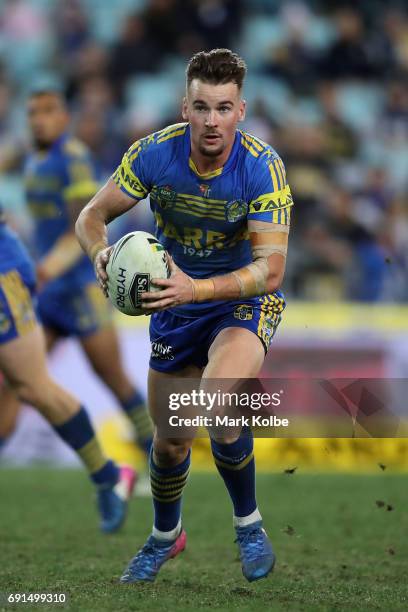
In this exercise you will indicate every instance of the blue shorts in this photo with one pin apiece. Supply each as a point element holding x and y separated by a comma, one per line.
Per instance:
<point>79,309</point>
<point>178,341</point>
<point>17,284</point>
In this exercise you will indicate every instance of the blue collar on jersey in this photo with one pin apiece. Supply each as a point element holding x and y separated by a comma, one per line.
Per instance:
<point>229,165</point>
<point>56,145</point>
<point>60,141</point>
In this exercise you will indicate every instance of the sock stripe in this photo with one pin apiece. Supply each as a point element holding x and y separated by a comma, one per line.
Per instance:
<point>163,485</point>
<point>234,466</point>
<point>167,486</point>
<point>167,492</point>
<point>79,434</point>
<point>137,412</point>
<point>140,417</point>
<point>162,478</point>
<point>164,500</point>
<point>91,455</point>
<point>144,432</point>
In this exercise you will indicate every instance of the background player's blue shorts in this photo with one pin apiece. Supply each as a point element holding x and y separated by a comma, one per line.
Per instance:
<point>78,309</point>
<point>17,283</point>
<point>179,341</point>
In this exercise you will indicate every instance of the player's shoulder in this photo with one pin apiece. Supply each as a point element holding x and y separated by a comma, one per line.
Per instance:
<point>163,140</point>
<point>262,164</point>
<point>73,148</point>
<point>156,150</point>
<point>257,152</point>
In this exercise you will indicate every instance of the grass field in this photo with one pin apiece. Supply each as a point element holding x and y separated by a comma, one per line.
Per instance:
<point>337,548</point>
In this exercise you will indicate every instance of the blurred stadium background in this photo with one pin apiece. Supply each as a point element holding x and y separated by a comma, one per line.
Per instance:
<point>328,88</point>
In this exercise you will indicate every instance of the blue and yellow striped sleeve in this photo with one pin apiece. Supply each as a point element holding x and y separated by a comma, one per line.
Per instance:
<point>129,175</point>
<point>80,175</point>
<point>271,199</point>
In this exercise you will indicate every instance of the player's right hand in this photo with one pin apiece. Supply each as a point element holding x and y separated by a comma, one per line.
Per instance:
<point>100,263</point>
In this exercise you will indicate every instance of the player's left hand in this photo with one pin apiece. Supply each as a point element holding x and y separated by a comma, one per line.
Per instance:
<point>176,290</point>
<point>42,275</point>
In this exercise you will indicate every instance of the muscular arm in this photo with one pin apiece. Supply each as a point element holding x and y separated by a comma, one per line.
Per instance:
<point>110,202</point>
<point>263,275</point>
<point>107,204</point>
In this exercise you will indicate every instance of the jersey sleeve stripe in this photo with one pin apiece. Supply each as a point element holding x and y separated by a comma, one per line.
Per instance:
<point>274,176</point>
<point>128,182</point>
<point>249,147</point>
<point>278,168</point>
<point>283,171</point>
<point>171,135</point>
<point>134,154</point>
<point>253,141</point>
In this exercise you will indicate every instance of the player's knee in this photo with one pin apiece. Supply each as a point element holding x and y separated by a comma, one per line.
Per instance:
<point>170,452</point>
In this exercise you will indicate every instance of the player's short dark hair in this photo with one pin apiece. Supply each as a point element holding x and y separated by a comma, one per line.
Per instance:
<point>49,91</point>
<point>217,67</point>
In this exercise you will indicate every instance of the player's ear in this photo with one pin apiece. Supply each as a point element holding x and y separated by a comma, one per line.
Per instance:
<point>242,110</point>
<point>184,109</point>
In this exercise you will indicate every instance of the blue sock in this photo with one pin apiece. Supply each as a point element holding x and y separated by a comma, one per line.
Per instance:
<point>79,434</point>
<point>136,410</point>
<point>167,490</point>
<point>235,462</point>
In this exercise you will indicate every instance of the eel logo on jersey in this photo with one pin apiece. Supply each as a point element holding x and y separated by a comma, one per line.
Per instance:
<point>166,196</point>
<point>235,210</point>
<point>244,312</point>
<point>163,351</point>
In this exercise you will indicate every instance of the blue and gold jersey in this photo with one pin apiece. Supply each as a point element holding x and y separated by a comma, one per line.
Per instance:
<point>17,283</point>
<point>52,180</point>
<point>202,219</point>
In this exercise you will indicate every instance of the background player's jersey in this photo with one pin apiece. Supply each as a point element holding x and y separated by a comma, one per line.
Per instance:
<point>17,282</point>
<point>201,219</point>
<point>52,179</point>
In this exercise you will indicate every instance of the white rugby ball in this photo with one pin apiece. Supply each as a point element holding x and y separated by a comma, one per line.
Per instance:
<point>135,259</point>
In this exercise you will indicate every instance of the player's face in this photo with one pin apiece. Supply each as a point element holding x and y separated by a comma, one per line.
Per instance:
<point>213,112</point>
<point>47,119</point>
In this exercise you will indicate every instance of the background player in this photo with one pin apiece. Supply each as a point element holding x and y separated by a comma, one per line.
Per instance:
<point>23,363</point>
<point>211,187</point>
<point>59,180</point>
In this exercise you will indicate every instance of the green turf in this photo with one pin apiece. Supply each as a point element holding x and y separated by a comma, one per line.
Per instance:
<point>337,550</point>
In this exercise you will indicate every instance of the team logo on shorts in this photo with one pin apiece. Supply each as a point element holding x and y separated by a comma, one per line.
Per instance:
<point>244,312</point>
<point>268,328</point>
<point>163,351</point>
<point>165,196</point>
<point>235,210</point>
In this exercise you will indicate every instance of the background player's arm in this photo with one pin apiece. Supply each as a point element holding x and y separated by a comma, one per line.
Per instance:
<point>79,184</point>
<point>65,252</point>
